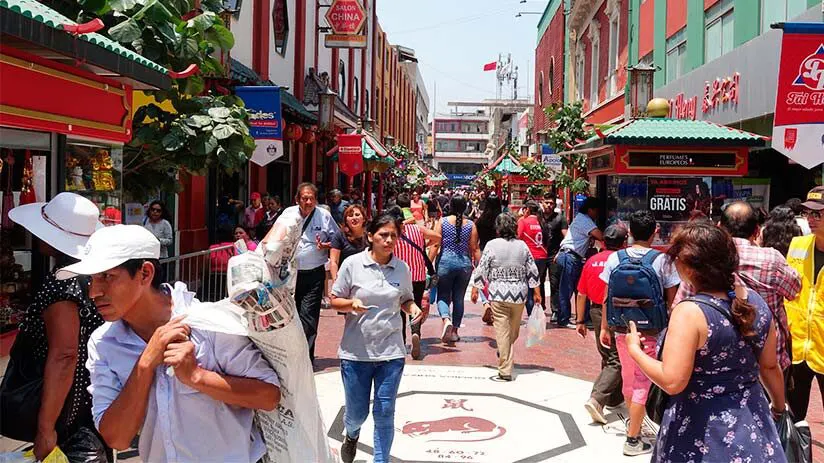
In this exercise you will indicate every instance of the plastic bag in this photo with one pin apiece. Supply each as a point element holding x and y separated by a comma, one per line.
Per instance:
<point>56,456</point>
<point>795,438</point>
<point>536,326</point>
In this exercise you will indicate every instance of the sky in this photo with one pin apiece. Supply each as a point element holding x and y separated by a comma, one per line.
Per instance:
<point>453,39</point>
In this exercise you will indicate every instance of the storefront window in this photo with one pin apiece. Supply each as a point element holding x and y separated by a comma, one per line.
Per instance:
<point>718,34</point>
<point>24,179</point>
<point>95,171</point>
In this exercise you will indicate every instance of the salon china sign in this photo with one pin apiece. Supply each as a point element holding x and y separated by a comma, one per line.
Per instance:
<point>717,94</point>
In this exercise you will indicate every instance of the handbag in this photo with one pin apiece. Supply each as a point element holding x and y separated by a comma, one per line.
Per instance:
<point>432,275</point>
<point>657,399</point>
<point>20,392</point>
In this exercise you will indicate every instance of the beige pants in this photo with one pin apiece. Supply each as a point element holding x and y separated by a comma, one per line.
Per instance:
<point>506,318</point>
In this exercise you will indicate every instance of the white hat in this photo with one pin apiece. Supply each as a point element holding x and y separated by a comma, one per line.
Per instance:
<point>64,223</point>
<point>110,247</point>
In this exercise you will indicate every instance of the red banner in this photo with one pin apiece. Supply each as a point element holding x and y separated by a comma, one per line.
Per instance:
<point>798,130</point>
<point>350,154</point>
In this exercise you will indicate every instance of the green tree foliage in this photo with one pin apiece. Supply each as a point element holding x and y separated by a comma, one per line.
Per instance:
<point>204,130</point>
<point>568,129</point>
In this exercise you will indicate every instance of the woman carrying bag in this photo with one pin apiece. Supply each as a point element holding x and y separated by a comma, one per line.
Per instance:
<point>43,396</point>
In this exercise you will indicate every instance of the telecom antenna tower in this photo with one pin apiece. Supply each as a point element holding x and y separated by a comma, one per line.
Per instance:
<point>507,75</point>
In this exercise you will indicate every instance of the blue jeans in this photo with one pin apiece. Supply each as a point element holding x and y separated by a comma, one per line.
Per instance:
<point>357,387</point>
<point>452,284</point>
<point>570,267</point>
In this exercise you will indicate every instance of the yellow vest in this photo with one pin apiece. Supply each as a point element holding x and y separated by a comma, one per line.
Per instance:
<point>805,313</point>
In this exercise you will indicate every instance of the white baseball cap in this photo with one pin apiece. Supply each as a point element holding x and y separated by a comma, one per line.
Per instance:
<point>110,247</point>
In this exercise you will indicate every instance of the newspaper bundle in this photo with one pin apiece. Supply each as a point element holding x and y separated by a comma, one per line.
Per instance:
<point>261,305</point>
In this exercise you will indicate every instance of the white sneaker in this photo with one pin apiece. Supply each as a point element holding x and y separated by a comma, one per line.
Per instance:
<point>446,336</point>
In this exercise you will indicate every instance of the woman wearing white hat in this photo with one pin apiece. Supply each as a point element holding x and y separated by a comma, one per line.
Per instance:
<point>43,395</point>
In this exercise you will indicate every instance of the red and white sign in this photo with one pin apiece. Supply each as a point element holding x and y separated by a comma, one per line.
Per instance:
<point>345,41</point>
<point>350,154</point>
<point>798,130</point>
<point>346,17</point>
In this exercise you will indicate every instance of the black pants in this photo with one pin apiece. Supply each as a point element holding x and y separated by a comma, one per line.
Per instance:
<point>607,387</point>
<point>418,288</point>
<point>554,283</point>
<point>308,296</point>
<point>799,396</point>
<point>530,295</point>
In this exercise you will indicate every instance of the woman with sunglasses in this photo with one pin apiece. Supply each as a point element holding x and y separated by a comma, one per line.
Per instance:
<point>156,223</point>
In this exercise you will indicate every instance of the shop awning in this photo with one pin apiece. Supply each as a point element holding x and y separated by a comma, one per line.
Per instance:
<point>505,164</point>
<point>293,110</point>
<point>674,132</point>
<point>44,27</point>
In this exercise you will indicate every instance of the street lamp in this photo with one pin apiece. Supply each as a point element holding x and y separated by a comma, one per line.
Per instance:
<point>369,124</point>
<point>389,141</point>
<point>640,88</point>
<point>521,13</point>
<point>326,109</point>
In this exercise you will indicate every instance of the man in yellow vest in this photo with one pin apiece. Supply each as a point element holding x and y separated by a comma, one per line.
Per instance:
<point>806,312</point>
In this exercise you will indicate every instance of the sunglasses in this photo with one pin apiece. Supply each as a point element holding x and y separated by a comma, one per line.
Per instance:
<point>154,209</point>
<point>810,214</point>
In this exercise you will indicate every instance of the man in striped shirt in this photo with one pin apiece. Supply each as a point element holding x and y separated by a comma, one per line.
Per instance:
<point>410,249</point>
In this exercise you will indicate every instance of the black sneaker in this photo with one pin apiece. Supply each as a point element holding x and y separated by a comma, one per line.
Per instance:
<point>348,449</point>
<point>635,446</point>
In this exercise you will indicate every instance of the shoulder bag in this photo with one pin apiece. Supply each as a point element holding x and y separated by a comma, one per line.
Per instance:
<point>432,275</point>
<point>657,399</point>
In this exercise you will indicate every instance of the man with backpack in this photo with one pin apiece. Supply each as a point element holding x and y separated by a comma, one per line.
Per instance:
<point>641,285</point>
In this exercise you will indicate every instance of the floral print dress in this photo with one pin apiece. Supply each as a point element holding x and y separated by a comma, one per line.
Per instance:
<point>723,414</point>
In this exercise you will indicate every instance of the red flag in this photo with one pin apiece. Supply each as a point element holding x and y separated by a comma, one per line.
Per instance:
<point>491,66</point>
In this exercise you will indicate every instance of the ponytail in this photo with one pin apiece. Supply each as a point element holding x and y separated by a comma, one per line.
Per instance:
<point>458,227</point>
<point>743,313</point>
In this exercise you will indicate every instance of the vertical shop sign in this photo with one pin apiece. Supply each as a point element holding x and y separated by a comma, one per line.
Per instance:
<point>265,120</point>
<point>350,154</point>
<point>675,199</point>
<point>798,130</point>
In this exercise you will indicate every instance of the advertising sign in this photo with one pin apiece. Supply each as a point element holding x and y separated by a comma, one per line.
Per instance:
<point>350,154</point>
<point>346,18</point>
<point>675,199</point>
<point>265,118</point>
<point>550,159</point>
<point>798,130</point>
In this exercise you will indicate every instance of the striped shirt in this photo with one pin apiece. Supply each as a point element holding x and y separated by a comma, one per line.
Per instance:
<point>411,256</point>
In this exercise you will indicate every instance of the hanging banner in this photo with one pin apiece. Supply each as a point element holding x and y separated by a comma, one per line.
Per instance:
<point>350,154</point>
<point>798,130</point>
<point>265,119</point>
<point>676,199</point>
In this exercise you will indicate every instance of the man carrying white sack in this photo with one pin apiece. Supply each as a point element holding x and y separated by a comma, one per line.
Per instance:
<point>202,412</point>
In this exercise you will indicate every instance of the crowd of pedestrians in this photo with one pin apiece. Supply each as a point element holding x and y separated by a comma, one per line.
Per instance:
<point>714,336</point>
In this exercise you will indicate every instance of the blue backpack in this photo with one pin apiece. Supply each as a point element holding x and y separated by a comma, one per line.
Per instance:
<point>636,294</point>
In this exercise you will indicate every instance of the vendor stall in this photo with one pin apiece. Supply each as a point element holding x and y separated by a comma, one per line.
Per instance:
<point>681,170</point>
<point>509,180</point>
<point>65,112</point>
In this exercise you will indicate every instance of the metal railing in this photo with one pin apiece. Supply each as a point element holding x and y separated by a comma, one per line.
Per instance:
<point>204,272</point>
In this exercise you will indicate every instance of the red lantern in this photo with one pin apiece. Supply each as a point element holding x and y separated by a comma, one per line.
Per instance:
<point>293,132</point>
<point>308,136</point>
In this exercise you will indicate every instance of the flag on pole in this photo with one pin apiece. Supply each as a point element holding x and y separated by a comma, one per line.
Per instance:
<point>491,66</point>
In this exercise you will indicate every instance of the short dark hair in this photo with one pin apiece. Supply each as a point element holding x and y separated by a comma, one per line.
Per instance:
<point>533,207</point>
<point>588,204</point>
<point>506,226</point>
<point>642,225</point>
<point>132,266</point>
<point>795,205</point>
<point>305,185</point>
<point>739,219</point>
<point>403,200</point>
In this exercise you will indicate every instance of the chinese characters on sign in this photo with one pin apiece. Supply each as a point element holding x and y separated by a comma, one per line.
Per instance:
<point>717,93</point>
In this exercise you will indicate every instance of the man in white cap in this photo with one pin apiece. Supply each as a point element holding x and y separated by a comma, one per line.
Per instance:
<point>204,411</point>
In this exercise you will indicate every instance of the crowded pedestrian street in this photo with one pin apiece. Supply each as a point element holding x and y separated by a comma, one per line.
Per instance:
<point>411,231</point>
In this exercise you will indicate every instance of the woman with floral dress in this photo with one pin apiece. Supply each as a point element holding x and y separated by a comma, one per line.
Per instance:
<point>716,348</point>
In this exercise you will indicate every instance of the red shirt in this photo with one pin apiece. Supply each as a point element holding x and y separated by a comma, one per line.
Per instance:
<point>530,232</point>
<point>590,284</point>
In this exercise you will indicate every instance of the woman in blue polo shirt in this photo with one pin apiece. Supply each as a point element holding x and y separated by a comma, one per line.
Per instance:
<point>372,288</point>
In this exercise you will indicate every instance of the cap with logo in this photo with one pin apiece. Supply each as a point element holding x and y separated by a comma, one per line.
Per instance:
<point>815,199</point>
<point>110,247</point>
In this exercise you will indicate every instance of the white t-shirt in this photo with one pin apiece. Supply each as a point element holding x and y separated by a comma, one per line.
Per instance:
<point>666,272</point>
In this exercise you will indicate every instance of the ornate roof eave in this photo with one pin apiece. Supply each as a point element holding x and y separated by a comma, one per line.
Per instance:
<point>580,13</point>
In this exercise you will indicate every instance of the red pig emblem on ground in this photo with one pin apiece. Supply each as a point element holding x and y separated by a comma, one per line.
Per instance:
<point>464,424</point>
